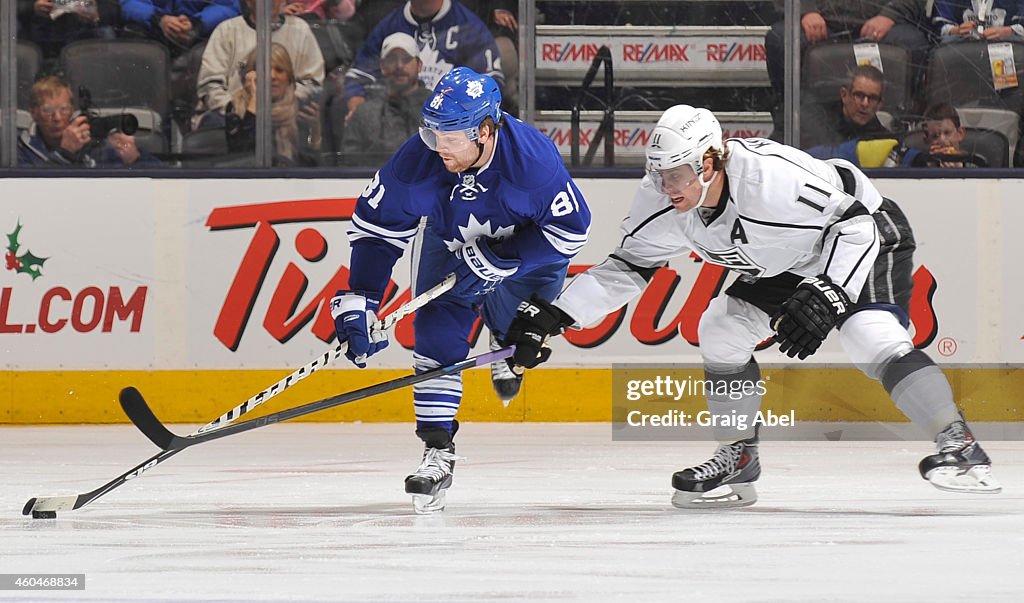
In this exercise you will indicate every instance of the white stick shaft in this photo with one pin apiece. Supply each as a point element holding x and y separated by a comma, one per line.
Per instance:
<point>327,357</point>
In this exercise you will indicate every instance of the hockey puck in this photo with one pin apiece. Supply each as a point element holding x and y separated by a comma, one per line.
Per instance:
<point>44,515</point>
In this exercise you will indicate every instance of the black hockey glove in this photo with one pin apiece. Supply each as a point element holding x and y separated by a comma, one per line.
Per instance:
<point>535,321</point>
<point>807,317</point>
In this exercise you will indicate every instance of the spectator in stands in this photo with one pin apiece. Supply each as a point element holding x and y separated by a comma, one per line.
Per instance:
<point>942,129</point>
<point>853,115</point>
<point>284,113</point>
<point>957,20</point>
<point>59,138</point>
<point>448,35</point>
<point>368,14</point>
<point>340,10</point>
<point>898,22</point>
<point>180,24</point>
<point>944,136</point>
<point>51,26</point>
<point>388,117</point>
<point>231,44</point>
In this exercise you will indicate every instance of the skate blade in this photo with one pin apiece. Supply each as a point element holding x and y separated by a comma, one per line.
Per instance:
<point>427,504</point>
<point>724,497</point>
<point>976,480</point>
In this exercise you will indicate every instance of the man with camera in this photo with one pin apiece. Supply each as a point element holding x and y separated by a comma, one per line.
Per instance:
<point>62,138</point>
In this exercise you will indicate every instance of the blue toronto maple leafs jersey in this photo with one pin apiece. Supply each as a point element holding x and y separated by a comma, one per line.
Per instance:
<point>523,201</point>
<point>454,37</point>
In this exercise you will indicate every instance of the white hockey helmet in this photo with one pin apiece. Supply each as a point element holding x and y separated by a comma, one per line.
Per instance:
<point>679,140</point>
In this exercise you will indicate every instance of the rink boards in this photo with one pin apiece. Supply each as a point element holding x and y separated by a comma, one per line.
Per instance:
<point>203,292</point>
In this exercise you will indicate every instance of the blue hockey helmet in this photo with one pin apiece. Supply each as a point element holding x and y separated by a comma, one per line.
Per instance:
<point>461,101</point>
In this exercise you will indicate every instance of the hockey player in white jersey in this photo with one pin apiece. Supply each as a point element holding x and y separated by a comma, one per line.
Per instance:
<point>816,246</point>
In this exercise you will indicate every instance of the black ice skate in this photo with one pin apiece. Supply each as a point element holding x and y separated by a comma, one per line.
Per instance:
<point>960,464</point>
<point>726,480</point>
<point>506,383</point>
<point>431,480</point>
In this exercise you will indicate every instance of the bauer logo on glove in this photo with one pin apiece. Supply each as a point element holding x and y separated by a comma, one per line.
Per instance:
<point>536,320</point>
<point>481,268</point>
<point>528,309</point>
<point>806,318</point>
<point>836,296</point>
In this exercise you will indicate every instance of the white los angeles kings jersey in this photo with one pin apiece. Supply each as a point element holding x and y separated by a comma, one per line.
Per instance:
<point>782,211</point>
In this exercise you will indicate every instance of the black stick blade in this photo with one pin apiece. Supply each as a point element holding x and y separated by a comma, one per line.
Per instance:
<point>141,414</point>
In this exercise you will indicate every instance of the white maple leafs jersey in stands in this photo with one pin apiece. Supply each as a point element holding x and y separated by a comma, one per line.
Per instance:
<point>783,211</point>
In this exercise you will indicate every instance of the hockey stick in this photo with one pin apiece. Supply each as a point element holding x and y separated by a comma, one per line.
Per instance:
<point>51,504</point>
<point>320,362</point>
<point>134,404</point>
<point>48,506</point>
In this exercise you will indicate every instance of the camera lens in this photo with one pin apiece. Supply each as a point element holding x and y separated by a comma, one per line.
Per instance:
<point>102,126</point>
<point>129,124</point>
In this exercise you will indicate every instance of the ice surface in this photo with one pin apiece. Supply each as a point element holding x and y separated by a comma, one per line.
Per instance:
<point>537,512</point>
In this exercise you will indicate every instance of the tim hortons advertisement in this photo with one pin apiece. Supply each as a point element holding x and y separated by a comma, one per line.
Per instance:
<point>220,274</point>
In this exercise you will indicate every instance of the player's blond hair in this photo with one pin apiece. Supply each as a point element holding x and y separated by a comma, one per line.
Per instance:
<point>719,156</point>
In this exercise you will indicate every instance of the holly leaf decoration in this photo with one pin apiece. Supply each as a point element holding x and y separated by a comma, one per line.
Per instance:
<point>27,263</point>
<point>31,265</point>
<point>12,239</point>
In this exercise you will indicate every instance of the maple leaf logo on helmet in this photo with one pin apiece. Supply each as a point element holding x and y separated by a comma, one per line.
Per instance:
<point>462,100</point>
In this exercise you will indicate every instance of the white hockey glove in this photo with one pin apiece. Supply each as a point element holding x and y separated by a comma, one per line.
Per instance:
<point>355,322</point>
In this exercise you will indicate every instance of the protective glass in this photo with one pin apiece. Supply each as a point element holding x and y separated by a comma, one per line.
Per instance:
<point>451,142</point>
<point>674,180</point>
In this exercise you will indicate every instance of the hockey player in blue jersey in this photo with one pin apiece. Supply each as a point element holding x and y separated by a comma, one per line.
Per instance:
<point>501,213</point>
